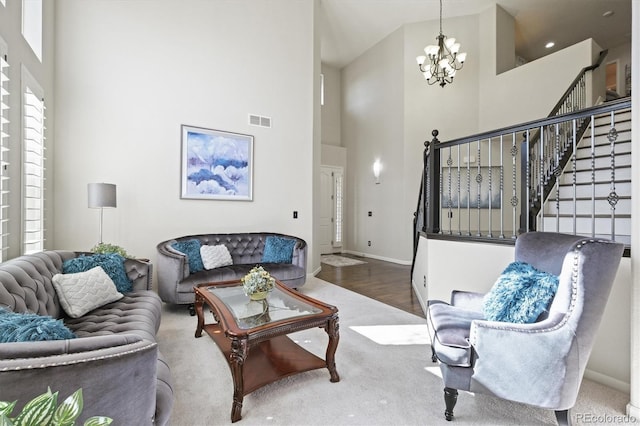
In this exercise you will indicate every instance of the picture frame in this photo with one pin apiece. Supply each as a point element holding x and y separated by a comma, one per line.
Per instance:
<point>472,199</point>
<point>216,165</point>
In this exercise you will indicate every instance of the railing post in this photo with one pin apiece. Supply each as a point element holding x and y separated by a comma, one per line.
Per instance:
<point>525,187</point>
<point>432,184</point>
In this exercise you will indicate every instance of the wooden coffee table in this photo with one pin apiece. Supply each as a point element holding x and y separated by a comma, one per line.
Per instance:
<point>252,335</point>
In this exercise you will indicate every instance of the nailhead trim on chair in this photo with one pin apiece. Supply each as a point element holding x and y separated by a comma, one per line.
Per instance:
<point>572,302</point>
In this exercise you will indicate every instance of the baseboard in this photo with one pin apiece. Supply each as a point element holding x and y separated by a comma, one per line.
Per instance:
<point>373,256</point>
<point>633,411</point>
<point>607,381</point>
<point>315,272</point>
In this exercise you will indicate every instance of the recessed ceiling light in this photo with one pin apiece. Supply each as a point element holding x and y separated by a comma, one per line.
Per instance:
<point>549,45</point>
<point>608,13</point>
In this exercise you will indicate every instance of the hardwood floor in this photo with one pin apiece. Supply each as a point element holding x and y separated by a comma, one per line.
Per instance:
<point>386,282</point>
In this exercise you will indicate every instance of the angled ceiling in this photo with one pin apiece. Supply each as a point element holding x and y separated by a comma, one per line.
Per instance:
<point>350,27</point>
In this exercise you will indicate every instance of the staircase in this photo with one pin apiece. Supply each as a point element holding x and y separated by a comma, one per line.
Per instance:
<point>596,185</point>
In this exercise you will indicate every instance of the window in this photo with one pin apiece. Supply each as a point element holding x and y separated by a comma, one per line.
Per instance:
<point>4,152</point>
<point>33,117</point>
<point>32,25</point>
<point>339,208</point>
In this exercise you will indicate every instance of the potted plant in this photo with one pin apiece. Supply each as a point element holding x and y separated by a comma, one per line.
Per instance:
<point>44,410</point>
<point>106,248</point>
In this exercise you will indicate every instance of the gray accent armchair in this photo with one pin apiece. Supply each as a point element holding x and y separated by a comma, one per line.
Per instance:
<point>542,363</point>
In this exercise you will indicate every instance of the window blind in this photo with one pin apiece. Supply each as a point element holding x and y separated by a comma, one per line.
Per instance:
<point>33,172</point>
<point>4,156</point>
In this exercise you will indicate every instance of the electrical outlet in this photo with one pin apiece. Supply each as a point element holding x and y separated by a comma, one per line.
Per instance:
<point>369,243</point>
<point>295,214</point>
<point>370,214</point>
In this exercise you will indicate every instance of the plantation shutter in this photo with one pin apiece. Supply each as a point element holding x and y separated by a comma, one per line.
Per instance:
<point>4,154</point>
<point>33,171</point>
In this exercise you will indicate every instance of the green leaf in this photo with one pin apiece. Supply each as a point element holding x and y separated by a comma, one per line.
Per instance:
<point>98,421</point>
<point>5,421</point>
<point>70,409</point>
<point>38,411</point>
<point>7,407</point>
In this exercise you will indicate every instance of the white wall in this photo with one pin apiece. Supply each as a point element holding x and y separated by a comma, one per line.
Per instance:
<point>529,91</point>
<point>372,128</point>
<point>128,75</point>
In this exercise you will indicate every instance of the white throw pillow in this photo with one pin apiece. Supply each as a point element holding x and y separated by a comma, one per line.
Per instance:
<point>215,256</point>
<point>82,292</point>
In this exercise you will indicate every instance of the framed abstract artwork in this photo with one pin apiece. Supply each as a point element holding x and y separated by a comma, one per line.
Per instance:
<point>216,165</point>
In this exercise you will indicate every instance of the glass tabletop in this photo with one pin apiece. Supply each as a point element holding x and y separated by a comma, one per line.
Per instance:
<point>253,313</point>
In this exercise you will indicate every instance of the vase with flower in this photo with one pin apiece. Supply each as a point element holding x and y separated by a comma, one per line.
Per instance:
<point>257,283</point>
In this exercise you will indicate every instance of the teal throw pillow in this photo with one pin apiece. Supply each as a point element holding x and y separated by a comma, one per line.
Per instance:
<point>28,327</point>
<point>191,248</point>
<point>520,294</point>
<point>278,249</point>
<point>111,263</point>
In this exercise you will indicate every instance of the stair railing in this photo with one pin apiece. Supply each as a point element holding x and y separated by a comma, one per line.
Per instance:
<point>558,140</point>
<point>483,190</point>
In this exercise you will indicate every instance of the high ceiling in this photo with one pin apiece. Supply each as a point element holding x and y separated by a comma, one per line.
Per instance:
<point>350,27</point>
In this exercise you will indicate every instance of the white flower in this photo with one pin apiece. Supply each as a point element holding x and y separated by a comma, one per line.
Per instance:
<point>257,280</point>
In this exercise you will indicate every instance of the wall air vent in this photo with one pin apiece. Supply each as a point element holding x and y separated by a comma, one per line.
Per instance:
<point>258,120</point>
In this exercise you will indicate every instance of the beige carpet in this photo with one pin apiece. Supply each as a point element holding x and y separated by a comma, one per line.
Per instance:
<point>387,377</point>
<point>338,261</point>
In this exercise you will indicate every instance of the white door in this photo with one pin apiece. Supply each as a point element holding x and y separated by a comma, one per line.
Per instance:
<point>331,190</point>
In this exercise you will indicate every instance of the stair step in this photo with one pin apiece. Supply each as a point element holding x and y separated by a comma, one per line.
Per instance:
<point>603,161</point>
<point>601,173</point>
<point>621,147</point>
<point>587,191</point>
<point>622,118</point>
<point>584,224</point>
<point>586,206</point>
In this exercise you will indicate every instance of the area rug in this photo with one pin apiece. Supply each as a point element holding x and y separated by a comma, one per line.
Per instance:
<point>386,376</point>
<point>337,261</point>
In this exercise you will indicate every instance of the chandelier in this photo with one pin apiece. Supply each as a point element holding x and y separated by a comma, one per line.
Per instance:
<point>442,60</point>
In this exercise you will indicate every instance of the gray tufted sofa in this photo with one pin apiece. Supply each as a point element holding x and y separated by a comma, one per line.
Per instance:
<point>114,357</point>
<point>176,282</point>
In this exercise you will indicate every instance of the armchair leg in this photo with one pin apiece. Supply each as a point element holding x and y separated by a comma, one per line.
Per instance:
<point>434,358</point>
<point>563,418</point>
<point>450,399</point>
<point>192,309</point>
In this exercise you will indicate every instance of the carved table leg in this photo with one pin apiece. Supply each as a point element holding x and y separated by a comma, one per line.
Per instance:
<point>332,329</point>
<point>198,307</point>
<point>238,356</point>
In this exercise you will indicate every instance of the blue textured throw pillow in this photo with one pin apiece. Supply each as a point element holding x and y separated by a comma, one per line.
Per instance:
<point>520,294</point>
<point>192,249</point>
<point>278,250</point>
<point>111,263</point>
<point>27,327</point>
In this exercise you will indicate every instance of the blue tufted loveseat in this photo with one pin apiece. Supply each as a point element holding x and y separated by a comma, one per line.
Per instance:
<point>176,281</point>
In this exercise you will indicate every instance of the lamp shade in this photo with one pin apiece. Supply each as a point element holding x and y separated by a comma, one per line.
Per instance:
<point>101,195</point>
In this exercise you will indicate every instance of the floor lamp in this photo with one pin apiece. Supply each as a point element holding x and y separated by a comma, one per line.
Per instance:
<point>101,195</point>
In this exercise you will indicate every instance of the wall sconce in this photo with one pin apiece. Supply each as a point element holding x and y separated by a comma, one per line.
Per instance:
<point>377,167</point>
<point>101,195</point>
